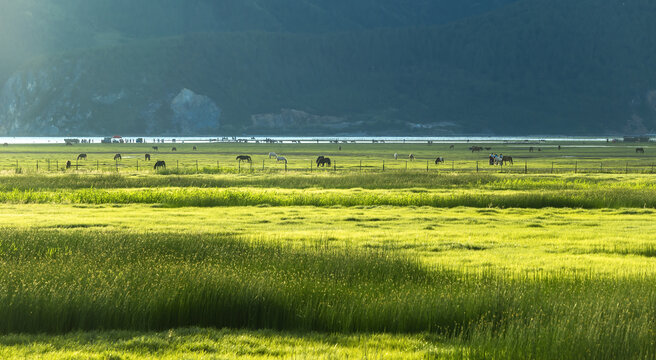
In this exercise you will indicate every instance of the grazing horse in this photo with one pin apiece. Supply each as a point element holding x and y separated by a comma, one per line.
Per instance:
<point>82,157</point>
<point>452,147</point>
<point>488,148</point>
<point>272,155</point>
<point>439,160</point>
<point>396,156</point>
<point>118,157</point>
<point>68,164</point>
<point>530,149</point>
<point>559,147</point>
<point>323,161</point>
<point>281,158</point>
<point>160,164</point>
<point>507,159</point>
<point>475,149</point>
<point>195,148</point>
<point>174,149</point>
<point>246,158</point>
<point>411,157</point>
<point>156,148</point>
<point>640,150</point>
<point>147,157</point>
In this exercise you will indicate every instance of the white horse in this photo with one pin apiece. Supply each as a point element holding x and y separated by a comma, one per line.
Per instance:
<point>396,156</point>
<point>272,155</point>
<point>281,158</point>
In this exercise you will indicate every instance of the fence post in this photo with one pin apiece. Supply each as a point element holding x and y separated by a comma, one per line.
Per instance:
<point>525,167</point>
<point>335,166</point>
<point>626,169</point>
<point>196,166</point>
<point>360,165</point>
<point>453,165</point>
<point>576,167</point>
<point>477,166</point>
<point>116,161</point>
<point>263,164</point>
<point>48,165</point>
<point>601,167</point>
<point>406,165</point>
<point>218,167</point>
<point>552,165</point>
<point>652,168</point>
<point>285,166</point>
<point>311,165</point>
<point>57,164</point>
<point>137,164</point>
<point>97,165</point>
<point>239,166</point>
<point>16,165</point>
<point>37,165</point>
<point>177,165</point>
<point>427,165</point>
<point>383,165</point>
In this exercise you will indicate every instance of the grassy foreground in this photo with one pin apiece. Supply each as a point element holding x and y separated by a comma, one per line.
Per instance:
<point>330,265</point>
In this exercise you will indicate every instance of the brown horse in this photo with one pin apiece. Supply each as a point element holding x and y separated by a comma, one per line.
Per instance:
<point>174,149</point>
<point>118,157</point>
<point>640,150</point>
<point>195,148</point>
<point>507,159</point>
<point>147,157</point>
<point>323,161</point>
<point>156,148</point>
<point>246,158</point>
<point>68,164</point>
<point>160,164</point>
<point>82,157</point>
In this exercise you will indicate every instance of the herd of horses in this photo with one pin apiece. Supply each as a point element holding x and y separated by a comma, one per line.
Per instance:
<point>323,161</point>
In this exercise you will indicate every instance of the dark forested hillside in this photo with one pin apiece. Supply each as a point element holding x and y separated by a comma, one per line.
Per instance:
<point>329,67</point>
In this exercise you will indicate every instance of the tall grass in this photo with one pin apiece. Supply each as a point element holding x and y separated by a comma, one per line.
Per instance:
<point>59,281</point>
<point>207,197</point>
<point>396,180</point>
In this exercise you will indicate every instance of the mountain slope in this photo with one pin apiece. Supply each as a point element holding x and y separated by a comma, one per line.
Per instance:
<point>534,66</point>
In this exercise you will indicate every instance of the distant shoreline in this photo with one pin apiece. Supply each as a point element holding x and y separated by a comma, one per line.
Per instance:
<point>316,139</point>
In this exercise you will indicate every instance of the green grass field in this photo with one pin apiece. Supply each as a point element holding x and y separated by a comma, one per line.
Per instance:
<point>96,264</point>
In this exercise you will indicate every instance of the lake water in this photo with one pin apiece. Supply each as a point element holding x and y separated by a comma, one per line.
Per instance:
<point>311,139</point>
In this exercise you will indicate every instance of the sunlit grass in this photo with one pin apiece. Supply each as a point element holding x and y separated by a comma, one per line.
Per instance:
<point>327,264</point>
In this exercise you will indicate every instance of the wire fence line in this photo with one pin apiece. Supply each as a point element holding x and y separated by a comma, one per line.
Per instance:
<point>204,166</point>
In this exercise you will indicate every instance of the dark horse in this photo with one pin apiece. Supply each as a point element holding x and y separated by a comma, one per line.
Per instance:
<point>174,149</point>
<point>195,148</point>
<point>68,164</point>
<point>160,164</point>
<point>147,157</point>
<point>476,149</point>
<point>507,159</point>
<point>323,161</point>
<point>246,158</point>
<point>82,157</point>
<point>117,157</point>
<point>640,150</point>
<point>155,148</point>
<point>439,160</point>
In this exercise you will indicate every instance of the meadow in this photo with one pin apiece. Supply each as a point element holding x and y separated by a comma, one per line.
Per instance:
<point>99,264</point>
